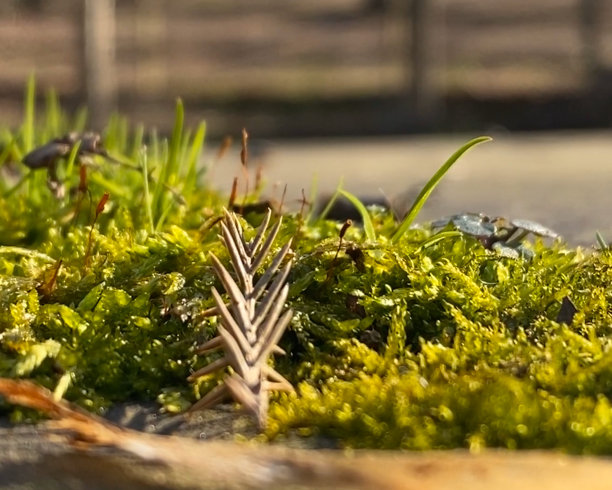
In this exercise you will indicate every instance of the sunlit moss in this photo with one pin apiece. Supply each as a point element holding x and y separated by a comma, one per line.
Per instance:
<point>413,343</point>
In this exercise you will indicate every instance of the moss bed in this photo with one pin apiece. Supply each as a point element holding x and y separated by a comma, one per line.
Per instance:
<point>414,343</point>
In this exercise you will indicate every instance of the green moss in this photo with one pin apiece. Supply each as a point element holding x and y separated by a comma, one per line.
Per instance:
<point>473,356</point>
<point>415,340</point>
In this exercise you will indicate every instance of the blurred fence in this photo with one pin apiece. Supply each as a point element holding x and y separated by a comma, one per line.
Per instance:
<point>261,59</point>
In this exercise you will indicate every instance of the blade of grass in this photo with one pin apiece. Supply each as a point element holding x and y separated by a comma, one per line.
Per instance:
<point>33,189</point>
<point>147,196</point>
<point>164,215</point>
<point>123,135</point>
<point>28,118</point>
<point>431,185</point>
<point>368,227</point>
<point>137,142</point>
<point>117,189</point>
<point>72,158</point>
<point>438,237</point>
<point>194,157</point>
<point>154,145</point>
<point>154,164</point>
<point>331,201</point>
<point>80,120</point>
<point>70,166</point>
<point>185,146</point>
<point>169,167</point>
<point>175,143</point>
<point>9,142</point>
<point>24,180</point>
<point>53,115</point>
<point>111,133</point>
<point>37,188</point>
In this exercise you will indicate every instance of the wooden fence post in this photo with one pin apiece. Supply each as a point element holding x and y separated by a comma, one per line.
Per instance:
<point>151,70</point>
<point>98,61</point>
<point>590,33</point>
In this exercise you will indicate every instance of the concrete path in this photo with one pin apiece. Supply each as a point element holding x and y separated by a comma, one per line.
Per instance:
<point>562,180</point>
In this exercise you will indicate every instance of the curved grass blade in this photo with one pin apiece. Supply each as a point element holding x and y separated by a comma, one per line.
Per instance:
<point>431,185</point>
<point>331,201</point>
<point>368,227</point>
<point>438,237</point>
<point>194,157</point>
<point>175,143</point>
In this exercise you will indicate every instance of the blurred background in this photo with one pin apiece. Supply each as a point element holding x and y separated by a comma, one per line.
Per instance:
<point>378,91</point>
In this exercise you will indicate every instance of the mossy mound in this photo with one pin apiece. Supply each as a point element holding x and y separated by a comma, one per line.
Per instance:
<point>424,340</point>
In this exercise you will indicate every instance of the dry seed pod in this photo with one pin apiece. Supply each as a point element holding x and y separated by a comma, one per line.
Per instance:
<point>253,322</point>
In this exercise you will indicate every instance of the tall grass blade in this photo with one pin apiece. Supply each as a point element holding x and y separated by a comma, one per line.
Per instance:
<point>195,152</point>
<point>53,115</point>
<point>368,227</point>
<point>175,143</point>
<point>184,148</point>
<point>80,120</point>
<point>164,215</point>
<point>116,134</point>
<point>72,158</point>
<point>137,142</point>
<point>70,165</point>
<point>438,237</point>
<point>332,201</point>
<point>431,185</point>
<point>154,146</point>
<point>29,115</point>
<point>147,195</point>
<point>170,158</point>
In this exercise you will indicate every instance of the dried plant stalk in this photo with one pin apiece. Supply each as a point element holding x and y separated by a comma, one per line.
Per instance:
<point>253,321</point>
